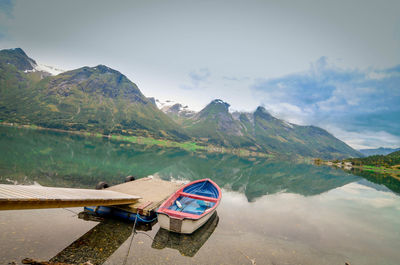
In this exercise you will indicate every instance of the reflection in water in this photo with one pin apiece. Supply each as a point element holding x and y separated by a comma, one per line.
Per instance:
<point>188,245</point>
<point>294,213</point>
<point>385,179</point>
<point>100,242</point>
<point>59,159</point>
<point>258,177</point>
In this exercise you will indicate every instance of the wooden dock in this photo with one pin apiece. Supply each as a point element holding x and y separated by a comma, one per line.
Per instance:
<point>16,197</point>
<point>152,193</point>
<point>142,196</point>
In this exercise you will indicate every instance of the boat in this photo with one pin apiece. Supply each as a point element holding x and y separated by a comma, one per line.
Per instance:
<point>190,207</point>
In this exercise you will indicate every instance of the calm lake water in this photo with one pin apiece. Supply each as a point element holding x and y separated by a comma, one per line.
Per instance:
<point>272,212</point>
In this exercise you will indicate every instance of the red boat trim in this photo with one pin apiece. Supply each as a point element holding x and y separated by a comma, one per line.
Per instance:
<point>164,207</point>
<point>181,215</point>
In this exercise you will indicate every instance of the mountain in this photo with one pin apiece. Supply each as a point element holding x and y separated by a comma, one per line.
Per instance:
<point>378,151</point>
<point>102,100</point>
<point>96,99</point>
<point>22,62</point>
<point>276,134</point>
<point>262,131</point>
<point>18,58</point>
<point>214,124</point>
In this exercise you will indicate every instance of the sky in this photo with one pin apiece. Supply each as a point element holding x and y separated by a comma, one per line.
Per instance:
<point>333,64</point>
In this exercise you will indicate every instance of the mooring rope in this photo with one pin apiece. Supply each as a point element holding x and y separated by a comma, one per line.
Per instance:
<point>70,211</point>
<point>130,244</point>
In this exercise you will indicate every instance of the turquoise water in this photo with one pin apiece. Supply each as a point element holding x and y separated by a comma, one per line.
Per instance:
<point>272,212</point>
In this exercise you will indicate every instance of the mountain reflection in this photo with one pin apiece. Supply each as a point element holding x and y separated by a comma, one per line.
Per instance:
<point>258,177</point>
<point>60,159</point>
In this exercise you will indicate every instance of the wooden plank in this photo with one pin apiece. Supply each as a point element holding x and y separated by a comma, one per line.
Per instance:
<point>153,193</point>
<point>14,197</point>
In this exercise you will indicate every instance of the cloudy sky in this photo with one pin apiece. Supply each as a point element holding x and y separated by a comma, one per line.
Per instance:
<point>334,64</point>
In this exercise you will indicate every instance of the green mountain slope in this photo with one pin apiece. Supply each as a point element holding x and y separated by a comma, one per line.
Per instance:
<point>96,99</point>
<point>313,141</point>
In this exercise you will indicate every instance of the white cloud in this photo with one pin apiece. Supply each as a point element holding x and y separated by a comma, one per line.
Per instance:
<point>365,139</point>
<point>361,194</point>
<point>348,103</point>
<point>289,112</point>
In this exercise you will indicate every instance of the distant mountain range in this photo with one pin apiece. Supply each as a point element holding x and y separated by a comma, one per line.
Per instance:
<point>100,99</point>
<point>378,151</point>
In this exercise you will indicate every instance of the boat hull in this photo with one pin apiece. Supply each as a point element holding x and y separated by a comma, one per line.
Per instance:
<point>183,226</point>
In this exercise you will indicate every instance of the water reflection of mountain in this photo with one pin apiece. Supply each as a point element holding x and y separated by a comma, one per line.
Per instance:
<point>260,176</point>
<point>187,245</point>
<point>59,159</point>
<point>386,180</point>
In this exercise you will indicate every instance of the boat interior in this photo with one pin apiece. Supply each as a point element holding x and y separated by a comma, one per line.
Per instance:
<point>195,199</point>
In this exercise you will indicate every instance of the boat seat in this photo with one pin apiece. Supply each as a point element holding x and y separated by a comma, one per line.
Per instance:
<point>198,197</point>
<point>205,194</point>
<point>191,206</point>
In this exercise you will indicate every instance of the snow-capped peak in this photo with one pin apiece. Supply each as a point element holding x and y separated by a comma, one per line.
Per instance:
<point>171,106</point>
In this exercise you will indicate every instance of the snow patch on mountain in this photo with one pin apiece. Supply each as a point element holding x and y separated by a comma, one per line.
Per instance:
<point>161,104</point>
<point>49,69</point>
<point>44,68</point>
<point>288,124</point>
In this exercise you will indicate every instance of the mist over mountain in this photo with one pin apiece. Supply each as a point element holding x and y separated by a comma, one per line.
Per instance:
<point>103,100</point>
<point>378,151</point>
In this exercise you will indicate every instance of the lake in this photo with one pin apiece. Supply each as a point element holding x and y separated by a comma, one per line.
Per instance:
<point>272,212</point>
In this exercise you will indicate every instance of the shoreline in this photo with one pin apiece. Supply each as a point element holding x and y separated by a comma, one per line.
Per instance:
<point>348,166</point>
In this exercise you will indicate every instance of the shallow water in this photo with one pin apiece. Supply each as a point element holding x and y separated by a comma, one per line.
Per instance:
<point>272,212</point>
